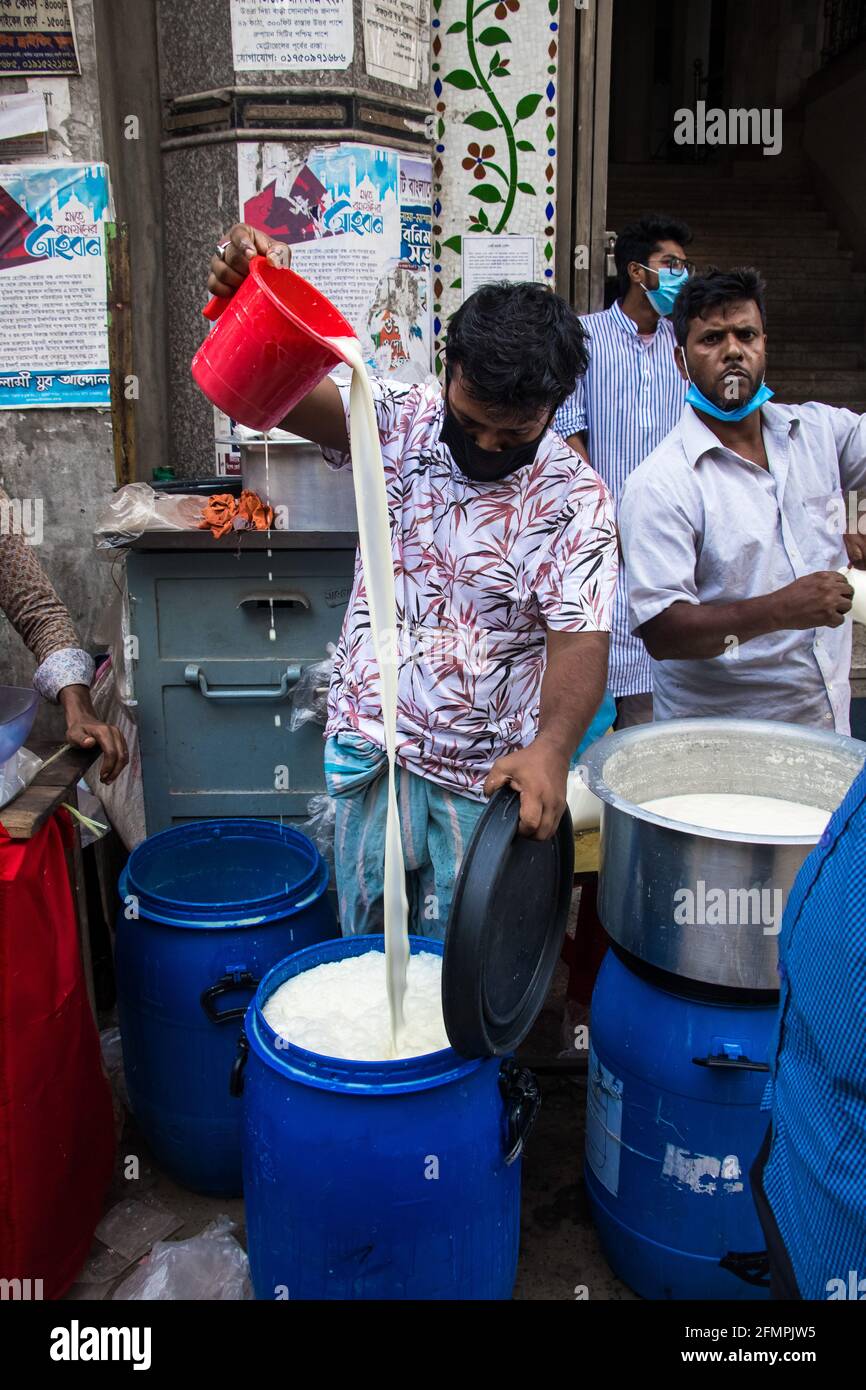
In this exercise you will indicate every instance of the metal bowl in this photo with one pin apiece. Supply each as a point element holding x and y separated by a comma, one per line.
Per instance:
<point>17,712</point>
<point>705,904</point>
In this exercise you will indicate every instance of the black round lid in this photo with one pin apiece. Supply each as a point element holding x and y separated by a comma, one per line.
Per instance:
<point>505,931</point>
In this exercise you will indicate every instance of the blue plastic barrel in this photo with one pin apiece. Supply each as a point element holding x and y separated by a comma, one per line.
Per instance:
<point>673,1126</point>
<point>378,1180</point>
<point>207,908</point>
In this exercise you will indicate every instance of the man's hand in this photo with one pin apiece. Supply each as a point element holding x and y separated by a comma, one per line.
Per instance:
<point>817,600</point>
<point>319,416</point>
<point>84,728</point>
<point>540,774</point>
<point>244,242</point>
<point>856,547</point>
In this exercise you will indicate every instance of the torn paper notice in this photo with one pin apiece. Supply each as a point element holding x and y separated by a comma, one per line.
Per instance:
<point>22,113</point>
<point>397,40</point>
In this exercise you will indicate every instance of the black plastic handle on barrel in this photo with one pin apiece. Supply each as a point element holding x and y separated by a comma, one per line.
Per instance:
<point>731,1063</point>
<point>241,979</point>
<point>522,1097</point>
<point>752,1266</point>
<point>236,1079</point>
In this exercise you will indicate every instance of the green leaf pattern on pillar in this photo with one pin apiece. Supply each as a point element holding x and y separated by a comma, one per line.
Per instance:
<point>494,70</point>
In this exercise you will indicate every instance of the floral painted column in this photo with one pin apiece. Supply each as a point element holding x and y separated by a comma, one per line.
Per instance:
<point>494,172</point>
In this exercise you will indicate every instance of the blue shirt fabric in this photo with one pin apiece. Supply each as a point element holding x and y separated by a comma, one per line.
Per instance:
<point>815,1176</point>
<point>701,524</point>
<point>631,396</point>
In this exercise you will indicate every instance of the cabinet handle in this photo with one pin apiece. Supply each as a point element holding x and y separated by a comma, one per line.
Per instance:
<point>193,675</point>
<point>277,598</point>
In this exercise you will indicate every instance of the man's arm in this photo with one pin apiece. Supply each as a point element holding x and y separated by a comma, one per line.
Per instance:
<point>571,691</point>
<point>577,442</point>
<point>320,415</point>
<point>64,669</point>
<point>696,631</point>
<point>661,522</point>
<point>570,421</point>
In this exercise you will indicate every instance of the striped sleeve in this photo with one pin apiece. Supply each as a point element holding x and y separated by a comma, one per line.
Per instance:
<point>571,417</point>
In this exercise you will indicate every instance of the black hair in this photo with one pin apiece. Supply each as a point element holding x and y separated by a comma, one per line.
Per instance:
<point>638,240</point>
<point>520,348</point>
<point>712,289</point>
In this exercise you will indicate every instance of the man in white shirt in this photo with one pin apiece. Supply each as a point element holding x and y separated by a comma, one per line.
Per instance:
<point>733,529</point>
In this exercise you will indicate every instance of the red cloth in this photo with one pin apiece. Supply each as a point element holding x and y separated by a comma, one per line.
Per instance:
<point>56,1127</point>
<point>585,953</point>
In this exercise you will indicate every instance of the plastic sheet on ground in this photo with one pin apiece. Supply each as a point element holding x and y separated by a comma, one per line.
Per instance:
<point>124,1234</point>
<point>210,1267</point>
<point>132,1227</point>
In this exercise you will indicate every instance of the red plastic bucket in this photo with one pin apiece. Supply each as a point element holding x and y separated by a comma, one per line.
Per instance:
<point>268,349</point>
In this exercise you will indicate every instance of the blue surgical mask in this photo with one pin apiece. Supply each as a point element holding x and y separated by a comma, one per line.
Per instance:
<point>699,401</point>
<point>670,285</point>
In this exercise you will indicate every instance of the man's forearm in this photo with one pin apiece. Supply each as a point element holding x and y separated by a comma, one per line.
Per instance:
<point>696,632</point>
<point>77,703</point>
<point>572,688</point>
<point>320,417</point>
<point>577,442</point>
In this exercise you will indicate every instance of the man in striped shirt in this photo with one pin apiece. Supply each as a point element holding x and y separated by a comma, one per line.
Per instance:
<point>631,397</point>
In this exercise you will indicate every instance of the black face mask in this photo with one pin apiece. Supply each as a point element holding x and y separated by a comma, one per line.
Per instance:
<point>485,465</point>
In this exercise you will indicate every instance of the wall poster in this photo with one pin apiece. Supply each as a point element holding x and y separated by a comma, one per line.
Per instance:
<point>357,218</point>
<point>303,35</point>
<point>53,290</point>
<point>37,38</point>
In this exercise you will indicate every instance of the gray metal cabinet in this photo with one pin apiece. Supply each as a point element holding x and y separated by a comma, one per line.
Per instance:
<point>214,688</point>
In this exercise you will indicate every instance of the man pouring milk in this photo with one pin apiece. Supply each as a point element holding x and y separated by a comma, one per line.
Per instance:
<point>504,555</point>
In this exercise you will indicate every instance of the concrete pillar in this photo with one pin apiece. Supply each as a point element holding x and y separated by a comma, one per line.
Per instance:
<point>64,456</point>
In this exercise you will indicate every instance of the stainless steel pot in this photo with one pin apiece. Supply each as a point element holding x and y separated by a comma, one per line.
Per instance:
<point>701,903</point>
<point>306,494</point>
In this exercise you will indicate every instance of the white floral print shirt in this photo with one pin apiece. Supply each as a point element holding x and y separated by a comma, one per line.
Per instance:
<point>481,569</point>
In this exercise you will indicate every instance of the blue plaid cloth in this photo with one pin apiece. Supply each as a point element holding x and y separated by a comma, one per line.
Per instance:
<point>815,1177</point>
<point>436,826</point>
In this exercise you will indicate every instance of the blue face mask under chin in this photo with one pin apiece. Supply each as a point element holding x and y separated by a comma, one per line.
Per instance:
<point>697,399</point>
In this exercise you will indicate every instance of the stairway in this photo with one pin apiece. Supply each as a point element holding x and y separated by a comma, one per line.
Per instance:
<point>816,301</point>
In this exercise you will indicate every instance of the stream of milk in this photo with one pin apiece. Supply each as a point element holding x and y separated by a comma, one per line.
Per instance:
<point>374,537</point>
<point>272,631</point>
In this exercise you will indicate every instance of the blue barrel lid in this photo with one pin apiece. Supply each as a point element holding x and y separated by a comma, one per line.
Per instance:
<point>233,872</point>
<point>508,917</point>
